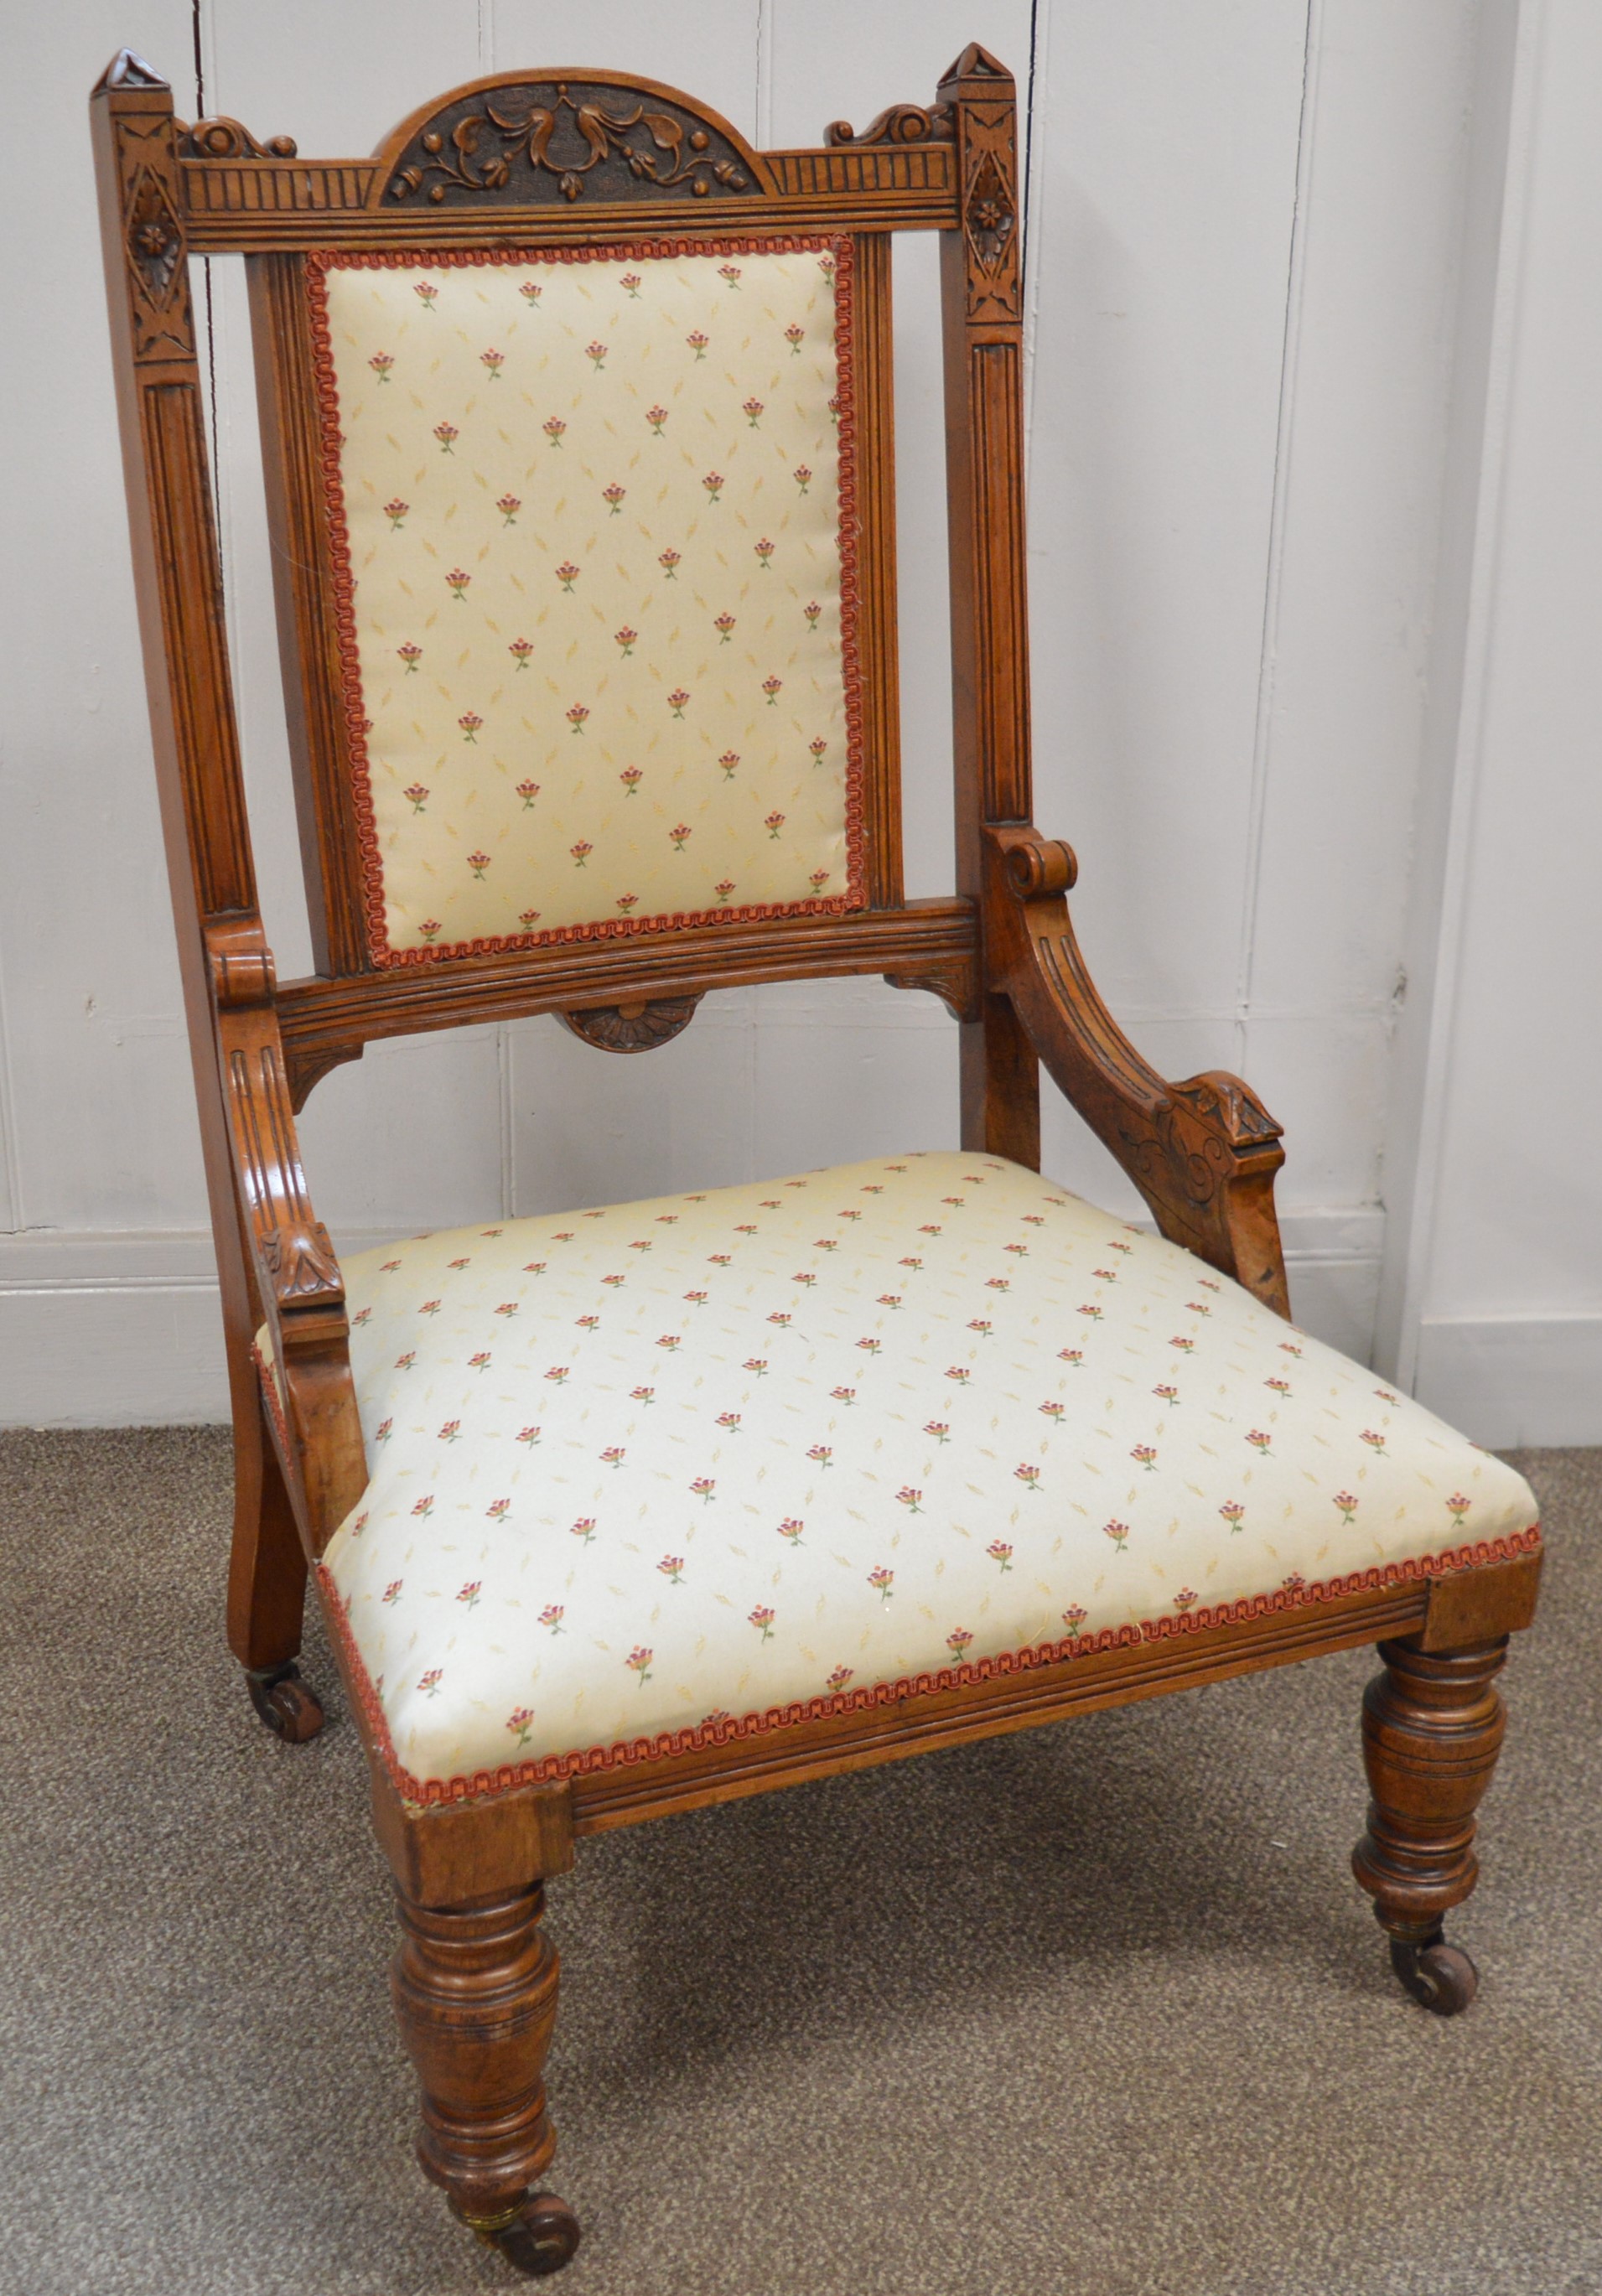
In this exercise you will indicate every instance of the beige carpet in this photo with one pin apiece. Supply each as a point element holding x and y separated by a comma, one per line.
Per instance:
<point>1094,2009</point>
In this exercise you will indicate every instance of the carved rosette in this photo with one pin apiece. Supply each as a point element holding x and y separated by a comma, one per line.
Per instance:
<point>150,204</point>
<point>989,212</point>
<point>985,110</point>
<point>633,1028</point>
<point>538,143</point>
<point>159,299</point>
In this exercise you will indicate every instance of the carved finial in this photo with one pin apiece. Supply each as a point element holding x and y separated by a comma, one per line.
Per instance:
<point>126,69</point>
<point>976,63</point>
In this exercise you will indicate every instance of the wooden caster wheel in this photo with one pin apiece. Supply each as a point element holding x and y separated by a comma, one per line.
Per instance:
<point>539,2238</point>
<point>287,1705</point>
<point>1440,1976</point>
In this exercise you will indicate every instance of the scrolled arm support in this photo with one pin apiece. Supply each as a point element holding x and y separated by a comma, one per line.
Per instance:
<point>295,1271</point>
<point>1203,1152</point>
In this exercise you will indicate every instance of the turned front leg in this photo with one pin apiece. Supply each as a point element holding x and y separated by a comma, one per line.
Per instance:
<point>1433,1725</point>
<point>475,1993</point>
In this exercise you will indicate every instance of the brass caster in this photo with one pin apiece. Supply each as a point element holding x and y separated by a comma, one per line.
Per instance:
<point>1438,1976</point>
<point>539,2236</point>
<point>287,1705</point>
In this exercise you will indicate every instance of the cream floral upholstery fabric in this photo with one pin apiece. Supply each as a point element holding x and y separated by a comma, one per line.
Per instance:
<point>671,1468</point>
<point>593,529</point>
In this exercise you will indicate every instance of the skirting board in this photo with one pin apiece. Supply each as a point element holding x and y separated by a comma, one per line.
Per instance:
<point>1513,1381</point>
<point>104,1330</point>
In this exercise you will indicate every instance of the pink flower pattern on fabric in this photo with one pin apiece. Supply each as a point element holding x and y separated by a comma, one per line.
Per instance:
<point>545,464</point>
<point>849,1515</point>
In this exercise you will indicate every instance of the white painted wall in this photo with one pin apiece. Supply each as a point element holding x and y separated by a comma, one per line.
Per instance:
<point>1502,1290</point>
<point>1267,277</point>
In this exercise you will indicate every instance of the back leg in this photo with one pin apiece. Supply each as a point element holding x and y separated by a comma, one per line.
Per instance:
<point>266,1578</point>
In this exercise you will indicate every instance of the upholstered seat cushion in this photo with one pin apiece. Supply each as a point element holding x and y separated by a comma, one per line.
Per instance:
<point>658,1472</point>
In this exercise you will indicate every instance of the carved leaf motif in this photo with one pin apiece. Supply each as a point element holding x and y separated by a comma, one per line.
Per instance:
<point>513,148</point>
<point>666,133</point>
<point>301,1263</point>
<point>591,127</point>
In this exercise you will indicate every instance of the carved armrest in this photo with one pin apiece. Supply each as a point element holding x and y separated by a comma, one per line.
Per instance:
<point>296,1275</point>
<point>1203,1152</point>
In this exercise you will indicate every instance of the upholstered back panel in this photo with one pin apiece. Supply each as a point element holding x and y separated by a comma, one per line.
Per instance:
<point>593,530</point>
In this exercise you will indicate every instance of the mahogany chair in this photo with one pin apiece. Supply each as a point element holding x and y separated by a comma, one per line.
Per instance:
<point>578,425</point>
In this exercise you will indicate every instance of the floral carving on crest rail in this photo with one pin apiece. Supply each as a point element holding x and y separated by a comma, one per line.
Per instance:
<point>558,140</point>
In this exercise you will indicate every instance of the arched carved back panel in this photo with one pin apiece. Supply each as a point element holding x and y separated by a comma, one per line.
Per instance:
<point>525,143</point>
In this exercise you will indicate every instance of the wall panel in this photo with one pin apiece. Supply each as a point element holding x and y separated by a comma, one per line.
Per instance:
<point>1245,227</point>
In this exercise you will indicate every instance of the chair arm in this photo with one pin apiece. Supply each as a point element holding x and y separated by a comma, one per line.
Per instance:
<point>1203,1152</point>
<point>296,1277</point>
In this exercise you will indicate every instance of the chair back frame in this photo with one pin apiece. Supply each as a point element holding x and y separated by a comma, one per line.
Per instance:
<point>545,163</point>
